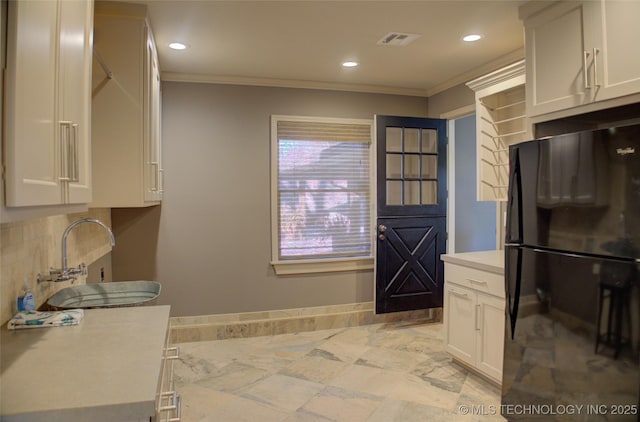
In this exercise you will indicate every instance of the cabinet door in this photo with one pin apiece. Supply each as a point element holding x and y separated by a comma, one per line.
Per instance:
<point>617,67</point>
<point>117,109</point>
<point>460,322</point>
<point>31,153</point>
<point>74,100</point>
<point>152,185</point>
<point>490,344</point>
<point>559,56</point>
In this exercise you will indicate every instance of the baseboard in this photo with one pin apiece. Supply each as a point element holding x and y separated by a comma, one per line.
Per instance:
<point>253,324</point>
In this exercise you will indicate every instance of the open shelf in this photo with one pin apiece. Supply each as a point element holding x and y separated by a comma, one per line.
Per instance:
<point>500,122</point>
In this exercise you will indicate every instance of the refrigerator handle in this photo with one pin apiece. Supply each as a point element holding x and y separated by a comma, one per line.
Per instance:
<point>513,294</point>
<point>514,199</point>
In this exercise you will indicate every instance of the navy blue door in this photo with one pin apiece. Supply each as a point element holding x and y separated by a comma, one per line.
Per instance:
<point>411,212</point>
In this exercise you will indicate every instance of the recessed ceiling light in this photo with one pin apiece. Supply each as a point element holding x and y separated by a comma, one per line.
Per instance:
<point>178,46</point>
<point>471,38</point>
<point>349,64</point>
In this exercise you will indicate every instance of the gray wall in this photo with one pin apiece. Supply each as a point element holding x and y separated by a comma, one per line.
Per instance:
<point>209,244</point>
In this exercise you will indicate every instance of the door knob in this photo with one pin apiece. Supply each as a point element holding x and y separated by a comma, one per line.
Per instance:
<point>382,228</point>
<point>381,237</point>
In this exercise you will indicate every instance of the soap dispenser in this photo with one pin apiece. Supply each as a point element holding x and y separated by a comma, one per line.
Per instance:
<point>27,301</point>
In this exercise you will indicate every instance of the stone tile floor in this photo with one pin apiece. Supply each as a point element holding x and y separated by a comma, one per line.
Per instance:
<point>380,372</point>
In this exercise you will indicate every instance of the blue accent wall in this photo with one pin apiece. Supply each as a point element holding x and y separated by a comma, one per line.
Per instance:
<point>475,221</point>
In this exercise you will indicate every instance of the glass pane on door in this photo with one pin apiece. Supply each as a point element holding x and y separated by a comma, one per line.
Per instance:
<point>394,166</point>
<point>411,166</point>
<point>411,140</point>
<point>430,141</point>
<point>429,193</point>
<point>430,167</point>
<point>394,139</point>
<point>394,192</point>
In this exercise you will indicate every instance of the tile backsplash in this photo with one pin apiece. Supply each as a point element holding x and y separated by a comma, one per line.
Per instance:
<point>34,246</point>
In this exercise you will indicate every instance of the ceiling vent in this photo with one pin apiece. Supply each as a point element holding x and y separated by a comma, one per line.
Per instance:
<point>398,39</point>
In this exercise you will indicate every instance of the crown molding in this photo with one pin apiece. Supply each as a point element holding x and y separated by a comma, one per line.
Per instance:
<point>463,78</point>
<point>506,73</point>
<point>286,83</point>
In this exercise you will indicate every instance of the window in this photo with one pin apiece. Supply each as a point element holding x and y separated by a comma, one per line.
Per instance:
<point>321,194</point>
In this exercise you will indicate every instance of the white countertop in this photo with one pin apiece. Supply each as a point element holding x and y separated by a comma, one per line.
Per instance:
<point>104,369</point>
<point>491,261</point>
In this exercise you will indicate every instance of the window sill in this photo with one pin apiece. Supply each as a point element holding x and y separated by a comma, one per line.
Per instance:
<point>310,266</point>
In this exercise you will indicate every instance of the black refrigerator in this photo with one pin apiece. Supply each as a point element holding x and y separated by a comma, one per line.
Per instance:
<point>572,264</point>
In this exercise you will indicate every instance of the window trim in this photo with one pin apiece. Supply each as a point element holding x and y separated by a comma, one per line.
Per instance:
<point>320,265</point>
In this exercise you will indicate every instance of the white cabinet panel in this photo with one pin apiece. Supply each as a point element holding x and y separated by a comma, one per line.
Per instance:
<point>474,307</point>
<point>581,52</point>
<point>460,314</point>
<point>126,115</point>
<point>617,71</point>
<point>555,58</point>
<point>47,142</point>
<point>152,144</point>
<point>489,352</point>
<point>76,33</point>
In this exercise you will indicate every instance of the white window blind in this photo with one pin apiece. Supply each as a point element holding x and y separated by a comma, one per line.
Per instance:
<point>323,188</point>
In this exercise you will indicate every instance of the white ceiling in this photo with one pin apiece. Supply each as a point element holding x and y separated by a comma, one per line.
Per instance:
<point>303,43</point>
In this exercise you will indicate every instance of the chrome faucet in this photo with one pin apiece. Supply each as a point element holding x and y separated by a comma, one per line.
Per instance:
<point>66,273</point>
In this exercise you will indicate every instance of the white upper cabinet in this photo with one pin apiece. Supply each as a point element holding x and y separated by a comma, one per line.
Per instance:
<point>152,145</point>
<point>580,52</point>
<point>616,71</point>
<point>126,114</point>
<point>76,19</point>
<point>47,109</point>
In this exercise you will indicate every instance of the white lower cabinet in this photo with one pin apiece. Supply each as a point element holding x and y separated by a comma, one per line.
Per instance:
<point>169,401</point>
<point>474,319</point>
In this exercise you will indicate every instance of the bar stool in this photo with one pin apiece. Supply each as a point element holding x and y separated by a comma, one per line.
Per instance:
<point>615,284</point>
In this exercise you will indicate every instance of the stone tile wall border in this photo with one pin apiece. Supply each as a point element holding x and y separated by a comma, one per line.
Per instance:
<point>253,324</point>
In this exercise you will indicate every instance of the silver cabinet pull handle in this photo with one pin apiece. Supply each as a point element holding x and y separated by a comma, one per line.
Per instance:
<point>178,417</point>
<point>595,67</point>
<point>477,281</point>
<point>75,164</point>
<point>173,404</point>
<point>175,349</point>
<point>65,151</point>
<point>585,69</point>
<point>155,168</point>
<point>464,295</point>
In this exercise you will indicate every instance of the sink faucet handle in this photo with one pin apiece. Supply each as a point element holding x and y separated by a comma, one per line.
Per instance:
<point>56,274</point>
<point>80,269</point>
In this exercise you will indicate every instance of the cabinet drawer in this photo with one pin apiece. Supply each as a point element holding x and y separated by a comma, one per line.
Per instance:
<point>481,281</point>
